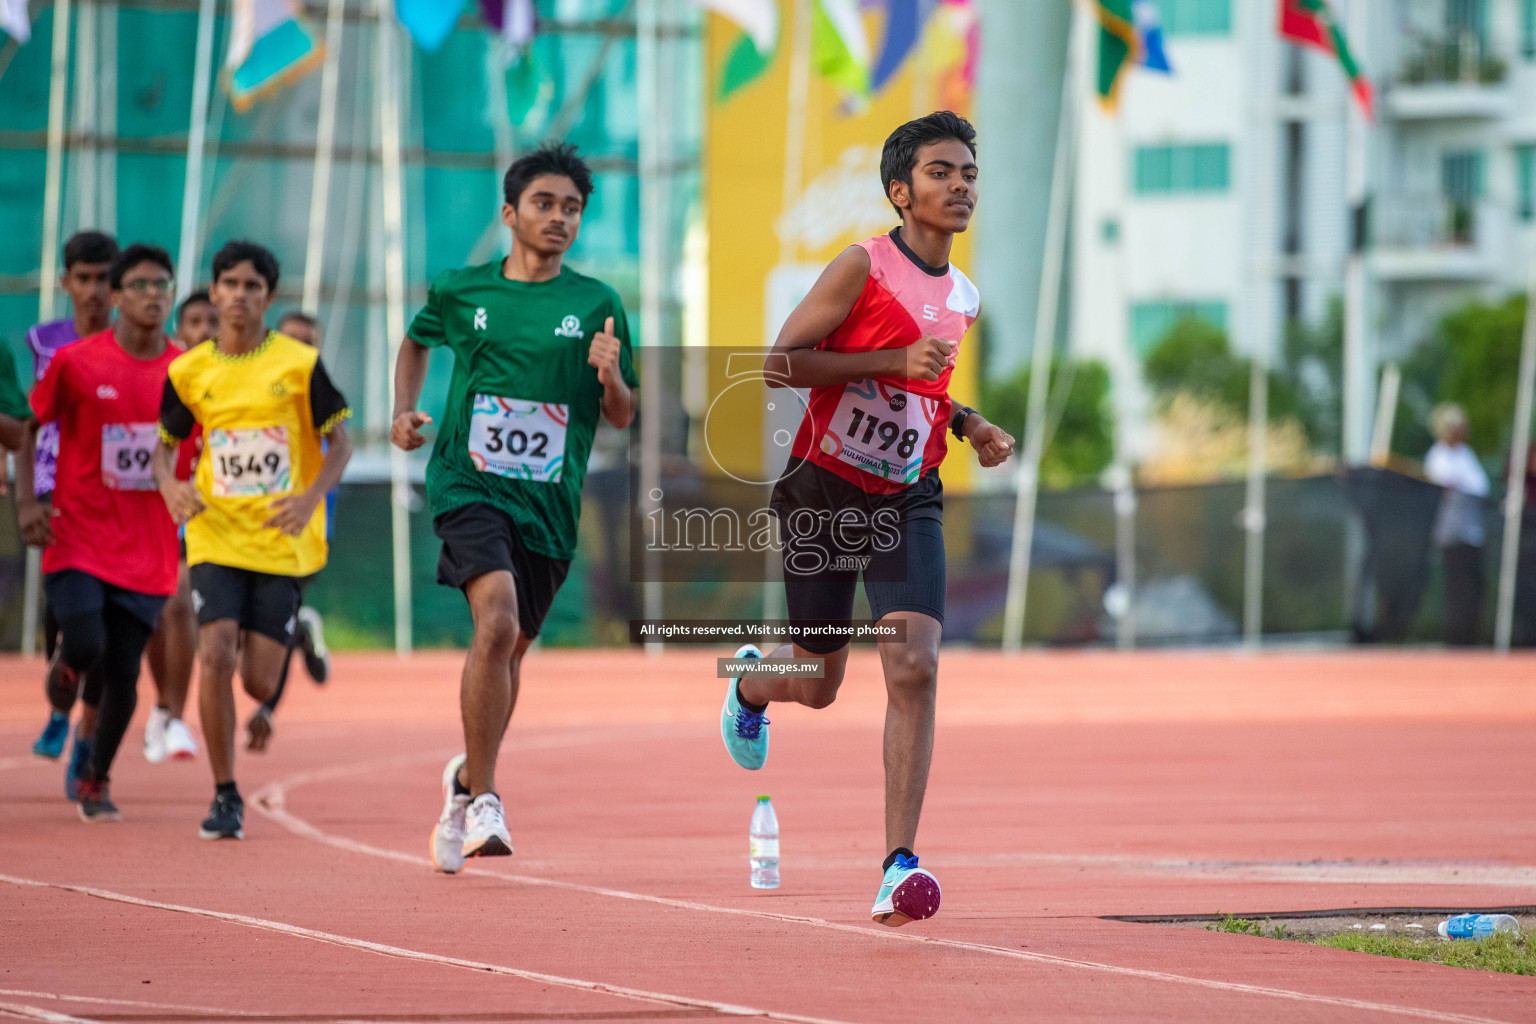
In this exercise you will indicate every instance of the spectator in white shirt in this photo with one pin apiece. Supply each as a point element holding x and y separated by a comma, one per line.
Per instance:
<point>1452,464</point>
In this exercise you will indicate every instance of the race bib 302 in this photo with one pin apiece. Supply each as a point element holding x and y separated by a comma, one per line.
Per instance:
<point>520,439</point>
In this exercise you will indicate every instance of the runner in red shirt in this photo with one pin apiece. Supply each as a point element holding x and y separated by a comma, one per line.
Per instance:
<point>109,558</point>
<point>875,341</point>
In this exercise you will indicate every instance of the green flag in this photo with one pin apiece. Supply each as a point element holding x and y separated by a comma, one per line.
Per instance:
<point>839,48</point>
<point>1119,46</point>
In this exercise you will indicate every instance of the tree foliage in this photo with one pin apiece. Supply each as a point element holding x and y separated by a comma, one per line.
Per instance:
<point>1194,358</point>
<point>1472,359</point>
<point>1082,444</point>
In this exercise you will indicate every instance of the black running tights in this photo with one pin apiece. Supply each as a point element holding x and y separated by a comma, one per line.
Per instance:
<point>106,647</point>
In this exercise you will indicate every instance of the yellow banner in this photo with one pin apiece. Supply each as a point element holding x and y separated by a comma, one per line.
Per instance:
<point>783,203</point>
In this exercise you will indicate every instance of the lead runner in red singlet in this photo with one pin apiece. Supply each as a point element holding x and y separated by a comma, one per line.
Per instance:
<point>875,340</point>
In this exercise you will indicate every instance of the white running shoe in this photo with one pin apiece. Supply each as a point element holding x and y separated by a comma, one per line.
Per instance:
<point>154,735</point>
<point>448,833</point>
<point>179,744</point>
<point>485,828</point>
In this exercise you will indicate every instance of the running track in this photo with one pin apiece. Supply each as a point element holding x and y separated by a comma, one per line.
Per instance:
<point>1065,787</point>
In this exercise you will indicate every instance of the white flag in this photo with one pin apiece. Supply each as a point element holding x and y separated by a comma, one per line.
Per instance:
<point>14,20</point>
<point>757,18</point>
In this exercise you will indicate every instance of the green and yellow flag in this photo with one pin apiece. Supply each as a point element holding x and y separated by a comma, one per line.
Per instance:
<point>1119,46</point>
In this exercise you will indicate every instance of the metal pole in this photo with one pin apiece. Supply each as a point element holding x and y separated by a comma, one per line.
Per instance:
<point>796,102</point>
<point>1125,554</point>
<point>197,133</point>
<point>106,151</point>
<point>48,282</point>
<point>1514,500</point>
<point>1359,373</point>
<point>87,53</point>
<point>1253,509</point>
<point>503,138</point>
<point>652,225</point>
<point>394,314</point>
<point>1027,477</point>
<point>325,146</point>
<point>1386,414</point>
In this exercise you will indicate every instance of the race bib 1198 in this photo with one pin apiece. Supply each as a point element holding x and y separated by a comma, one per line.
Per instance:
<point>520,439</point>
<point>880,429</point>
<point>249,463</point>
<point>126,452</point>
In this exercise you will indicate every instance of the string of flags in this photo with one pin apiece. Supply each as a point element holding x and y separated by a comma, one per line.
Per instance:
<point>1130,34</point>
<point>842,52</point>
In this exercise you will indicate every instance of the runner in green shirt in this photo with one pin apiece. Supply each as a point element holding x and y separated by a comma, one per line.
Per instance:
<point>14,410</point>
<point>540,352</point>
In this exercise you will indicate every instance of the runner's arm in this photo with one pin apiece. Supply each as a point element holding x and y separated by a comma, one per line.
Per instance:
<point>618,397</point>
<point>14,410</point>
<point>410,376</point>
<point>176,423</point>
<point>329,412</point>
<point>796,361</point>
<point>993,444</point>
<point>31,514</point>
<point>12,434</point>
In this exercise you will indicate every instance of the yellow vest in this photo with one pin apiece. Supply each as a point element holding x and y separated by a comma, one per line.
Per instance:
<point>254,410</point>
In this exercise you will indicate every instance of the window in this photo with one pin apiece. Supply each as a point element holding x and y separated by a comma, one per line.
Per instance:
<point>1467,17</point>
<point>1528,29</point>
<point>1461,175</point>
<point>1525,181</point>
<point>1150,321</point>
<point>1196,17</point>
<point>1169,170</point>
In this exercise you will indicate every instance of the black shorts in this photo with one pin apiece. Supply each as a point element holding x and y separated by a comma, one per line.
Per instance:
<point>75,592</point>
<point>904,572</point>
<point>260,602</point>
<point>479,538</point>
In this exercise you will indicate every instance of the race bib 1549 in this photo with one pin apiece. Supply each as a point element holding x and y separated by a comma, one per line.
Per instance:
<point>126,452</point>
<point>518,439</point>
<point>880,429</point>
<point>249,463</point>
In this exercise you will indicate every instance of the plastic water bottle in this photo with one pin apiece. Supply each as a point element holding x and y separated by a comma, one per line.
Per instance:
<point>764,845</point>
<point>1478,926</point>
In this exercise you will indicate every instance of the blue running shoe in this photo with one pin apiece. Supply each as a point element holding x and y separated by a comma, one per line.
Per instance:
<point>745,731</point>
<point>79,764</point>
<point>907,893</point>
<point>50,743</point>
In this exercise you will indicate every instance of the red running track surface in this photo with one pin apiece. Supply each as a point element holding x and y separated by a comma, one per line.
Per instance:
<point>1065,787</point>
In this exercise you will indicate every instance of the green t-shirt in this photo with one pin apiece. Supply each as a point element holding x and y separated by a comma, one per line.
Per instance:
<point>13,400</point>
<point>520,381</point>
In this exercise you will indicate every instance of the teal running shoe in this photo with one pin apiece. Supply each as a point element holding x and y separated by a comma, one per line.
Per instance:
<point>79,764</point>
<point>907,893</point>
<point>744,731</point>
<point>50,742</point>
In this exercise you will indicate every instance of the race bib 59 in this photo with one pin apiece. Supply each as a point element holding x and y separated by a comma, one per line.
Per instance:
<point>126,452</point>
<point>515,438</point>
<point>249,463</point>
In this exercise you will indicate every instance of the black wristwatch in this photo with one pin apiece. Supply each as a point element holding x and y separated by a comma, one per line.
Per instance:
<point>957,420</point>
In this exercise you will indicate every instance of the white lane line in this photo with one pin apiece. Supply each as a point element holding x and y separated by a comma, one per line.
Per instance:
<point>31,761</point>
<point>66,997</point>
<point>400,952</point>
<point>38,1013</point>
<point>271,802</point>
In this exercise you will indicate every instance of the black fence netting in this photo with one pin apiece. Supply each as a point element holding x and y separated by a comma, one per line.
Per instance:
<point>1347,557</point>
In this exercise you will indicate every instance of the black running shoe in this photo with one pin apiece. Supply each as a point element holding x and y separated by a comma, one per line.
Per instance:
<point>226,818</point>
<point>96,801</point>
